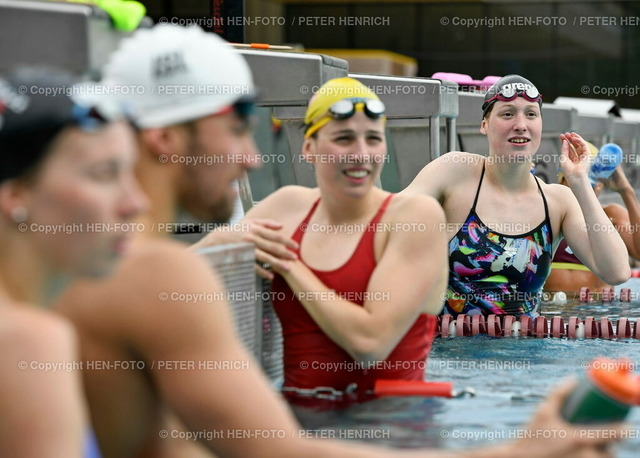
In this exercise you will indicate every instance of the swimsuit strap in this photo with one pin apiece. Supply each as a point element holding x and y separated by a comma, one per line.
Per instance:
<point>475,201</point>
<point>544,199</point>
<point>378,216</point>
<point>301,229</point>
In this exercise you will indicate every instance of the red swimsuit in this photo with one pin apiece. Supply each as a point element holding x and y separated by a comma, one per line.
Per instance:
<point>312,359</point>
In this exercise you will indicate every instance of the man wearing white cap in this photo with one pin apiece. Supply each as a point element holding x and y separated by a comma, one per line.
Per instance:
<point>143,354</point>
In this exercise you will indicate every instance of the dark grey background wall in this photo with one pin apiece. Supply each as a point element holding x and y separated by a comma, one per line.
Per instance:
<point>563,46</point>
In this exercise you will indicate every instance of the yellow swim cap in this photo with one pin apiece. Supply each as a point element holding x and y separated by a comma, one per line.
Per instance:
<point>593,150</point>
<point>333,91</point>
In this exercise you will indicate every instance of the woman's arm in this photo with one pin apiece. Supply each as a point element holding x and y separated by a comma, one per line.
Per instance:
<point>626,220</point>
<point>588,231</point>
<point>409,279</point>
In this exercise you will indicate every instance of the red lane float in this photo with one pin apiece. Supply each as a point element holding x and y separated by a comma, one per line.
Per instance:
<point>444,325</point>
<point>584,294</point>
<point>591,328</point>
<point>508,321</point>
<point>625,295</point>
<point>526,326</point>
<point>478,325</point>
<point>608,294</point>
<point>540,327</point>
<point>494,328</point>
<point>606,329</point>
<point>623,329</point>
<point>463,326</point>
<point>558,328</point>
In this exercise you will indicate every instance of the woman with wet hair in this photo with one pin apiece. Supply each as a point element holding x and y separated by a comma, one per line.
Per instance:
<point>363,276</point>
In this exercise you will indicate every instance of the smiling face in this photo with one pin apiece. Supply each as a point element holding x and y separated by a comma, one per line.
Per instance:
<point>84,188</point>
<point>348,155</point>
<point>513,129</point>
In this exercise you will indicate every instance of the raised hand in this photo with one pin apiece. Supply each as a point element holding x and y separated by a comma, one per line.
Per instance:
<point>574,159</point>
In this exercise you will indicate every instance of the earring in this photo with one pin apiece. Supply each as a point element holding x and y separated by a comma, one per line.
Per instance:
<point>19,214</point>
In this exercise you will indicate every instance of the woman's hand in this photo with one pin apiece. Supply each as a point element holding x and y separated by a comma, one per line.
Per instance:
<point>575,156</point>
<point>273,250</point>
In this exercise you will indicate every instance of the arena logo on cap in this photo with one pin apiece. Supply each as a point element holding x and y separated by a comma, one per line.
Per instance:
<point>511,88</point>
<point>169,64</point>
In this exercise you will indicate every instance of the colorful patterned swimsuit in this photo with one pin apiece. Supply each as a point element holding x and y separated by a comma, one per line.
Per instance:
<point>490,272</point>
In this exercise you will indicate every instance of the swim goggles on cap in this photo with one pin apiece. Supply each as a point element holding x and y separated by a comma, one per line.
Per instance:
<point>344,109</point>
<point>509,92</point>
<point>88,119</point>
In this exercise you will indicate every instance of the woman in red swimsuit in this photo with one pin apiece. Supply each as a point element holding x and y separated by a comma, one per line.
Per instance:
<point>364,273</point>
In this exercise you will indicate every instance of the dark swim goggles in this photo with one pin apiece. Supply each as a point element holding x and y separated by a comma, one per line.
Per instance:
<point>88,119</point>
<point>510,92</point>
<point>346,108</point>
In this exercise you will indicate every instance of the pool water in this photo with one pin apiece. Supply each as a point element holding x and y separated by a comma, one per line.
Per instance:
<point>510,376</point>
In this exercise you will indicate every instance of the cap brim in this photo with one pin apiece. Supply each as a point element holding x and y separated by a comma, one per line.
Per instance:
<point>189,112</point>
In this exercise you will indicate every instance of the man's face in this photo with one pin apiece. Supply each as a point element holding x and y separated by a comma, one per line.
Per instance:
<point>220,148</point>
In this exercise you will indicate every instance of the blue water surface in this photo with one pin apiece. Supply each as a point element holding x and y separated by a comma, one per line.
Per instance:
<point>511,376</point>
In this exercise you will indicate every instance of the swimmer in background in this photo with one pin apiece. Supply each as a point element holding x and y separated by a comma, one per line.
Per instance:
<point>63,164</point>
<point>493,269</point>
<point>345,141</point>
<point>568,273</point>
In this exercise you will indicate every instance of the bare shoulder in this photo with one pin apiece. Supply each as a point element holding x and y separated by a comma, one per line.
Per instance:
<point>163,262</point>
<point>36,332</point>
<point>141,287</point>
<point>415,208</point>
<point>616,212</point>
<point>459,161</point>
<point>454,168</point>
<point>288,199</point>
<point>557,195</point>
<point>161,289</point>
<point>555,189</point>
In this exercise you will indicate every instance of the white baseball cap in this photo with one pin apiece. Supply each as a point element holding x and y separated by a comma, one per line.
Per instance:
<point>171,74</point>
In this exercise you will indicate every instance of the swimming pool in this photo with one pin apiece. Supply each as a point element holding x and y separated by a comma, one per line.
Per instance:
<point>510,377</point>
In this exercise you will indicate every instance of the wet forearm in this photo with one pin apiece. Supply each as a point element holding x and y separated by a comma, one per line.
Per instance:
<point>633,207</point>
